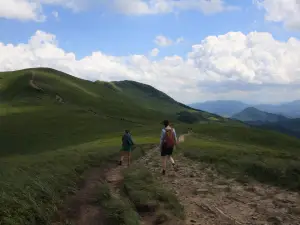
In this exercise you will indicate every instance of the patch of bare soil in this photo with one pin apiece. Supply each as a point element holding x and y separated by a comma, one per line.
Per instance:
<point>33,84</point>
<point>211,199</point>
<point>79,209</point>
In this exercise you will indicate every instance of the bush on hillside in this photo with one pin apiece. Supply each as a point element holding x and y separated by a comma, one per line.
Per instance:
<point>187,117</point>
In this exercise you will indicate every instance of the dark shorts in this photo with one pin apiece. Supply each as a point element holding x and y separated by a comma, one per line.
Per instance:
<point>126,148</point>
<point>166,151</point>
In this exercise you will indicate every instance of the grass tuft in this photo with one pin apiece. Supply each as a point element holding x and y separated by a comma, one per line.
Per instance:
<point>147,195</point>
<point>116,210</point>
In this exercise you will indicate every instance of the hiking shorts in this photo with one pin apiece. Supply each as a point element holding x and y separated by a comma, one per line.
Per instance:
<point>166,151</point>
<point>126,148</point>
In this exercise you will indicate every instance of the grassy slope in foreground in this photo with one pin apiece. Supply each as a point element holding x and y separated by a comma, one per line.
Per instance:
<point>46,143</point>
<point>266,156</point>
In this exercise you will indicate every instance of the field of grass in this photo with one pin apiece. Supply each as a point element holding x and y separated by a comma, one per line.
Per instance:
<point>242,152</point>
<point>32,186</point>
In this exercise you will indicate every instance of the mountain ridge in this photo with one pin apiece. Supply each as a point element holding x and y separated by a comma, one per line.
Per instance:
<point>251,114</point>
<point>230,107</point>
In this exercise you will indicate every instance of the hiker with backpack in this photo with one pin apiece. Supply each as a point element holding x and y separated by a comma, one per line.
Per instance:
<point>127,144</point>
<point>168,140</point>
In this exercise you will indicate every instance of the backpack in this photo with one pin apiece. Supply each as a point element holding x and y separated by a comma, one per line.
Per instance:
<point>126,139</point>
<point>169,139</point>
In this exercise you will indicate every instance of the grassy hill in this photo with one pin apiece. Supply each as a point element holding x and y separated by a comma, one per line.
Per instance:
<point>247,153</point>
<point>46,109</point>
<point>253,114</point>
<point>290,127</point>
<point>54,126</point>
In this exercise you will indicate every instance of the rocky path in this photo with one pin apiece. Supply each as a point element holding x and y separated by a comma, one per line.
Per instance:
<point>211,199</point>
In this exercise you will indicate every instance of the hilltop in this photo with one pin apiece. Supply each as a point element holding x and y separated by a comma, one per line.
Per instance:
<point>253,114</point>
<point>270,121</point>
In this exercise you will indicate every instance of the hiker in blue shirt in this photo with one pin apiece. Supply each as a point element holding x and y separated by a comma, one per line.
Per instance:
<point>126,149</point>
<point>168,140</point>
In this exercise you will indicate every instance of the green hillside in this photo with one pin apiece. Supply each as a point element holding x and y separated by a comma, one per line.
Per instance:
<point>247,153</point>
<point>46,109</point>
<point>53,127</point>
<point>290,127</point>
<point>253,114</point>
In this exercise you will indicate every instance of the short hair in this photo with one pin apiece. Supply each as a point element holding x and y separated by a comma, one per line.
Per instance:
<point>166,123</point>
<point>127,131</point>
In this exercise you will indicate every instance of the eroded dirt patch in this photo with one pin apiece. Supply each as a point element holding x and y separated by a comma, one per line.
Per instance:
<point>210,199</point>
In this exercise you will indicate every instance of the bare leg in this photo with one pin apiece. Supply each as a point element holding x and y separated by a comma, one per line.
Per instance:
<point>164,163</point>
<point>128,158</point>
<point>171,159</point>
<point>122,156</point>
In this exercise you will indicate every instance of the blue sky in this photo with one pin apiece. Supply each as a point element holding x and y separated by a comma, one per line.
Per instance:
<point>127,33</point>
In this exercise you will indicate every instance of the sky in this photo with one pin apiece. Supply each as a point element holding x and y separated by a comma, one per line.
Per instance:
<point>193,50</point>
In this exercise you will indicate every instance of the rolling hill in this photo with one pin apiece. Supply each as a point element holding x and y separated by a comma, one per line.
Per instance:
<point>75,110</point>
<point>270,121</point>
<point>252,114</point>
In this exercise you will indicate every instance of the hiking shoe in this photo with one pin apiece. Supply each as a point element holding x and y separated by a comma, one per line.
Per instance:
<point>163,172</point>
<point>120,163</point>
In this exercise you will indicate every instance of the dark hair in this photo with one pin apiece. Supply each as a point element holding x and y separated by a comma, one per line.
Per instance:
<point>127,131</point>
<point>166,123</point>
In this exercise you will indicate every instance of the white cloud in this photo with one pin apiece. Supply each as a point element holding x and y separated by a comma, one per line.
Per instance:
<point>164,41</point>
<point>21,10</point>
<point>179,40</point>
<point>233,65</point>
<point>154,52</point>
<point>285,11</point>
<point>139,7</point>
<point>32,9</point>
<point>55,14</point>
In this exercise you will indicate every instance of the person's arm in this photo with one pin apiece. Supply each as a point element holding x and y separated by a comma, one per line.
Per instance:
<point>161,138</point>
<point>175,136</point>
<point>131,140</point>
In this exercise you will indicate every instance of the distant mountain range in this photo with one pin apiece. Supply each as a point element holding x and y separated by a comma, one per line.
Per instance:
<point>270,121</point>
<point>229,108</point>
<point>220,107</point>
<point>252,114</point>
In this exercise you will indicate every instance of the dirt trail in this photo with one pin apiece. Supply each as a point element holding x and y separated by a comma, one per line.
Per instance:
<point>211,199</point>
<point>33,84</point>
<point>208,197</point>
